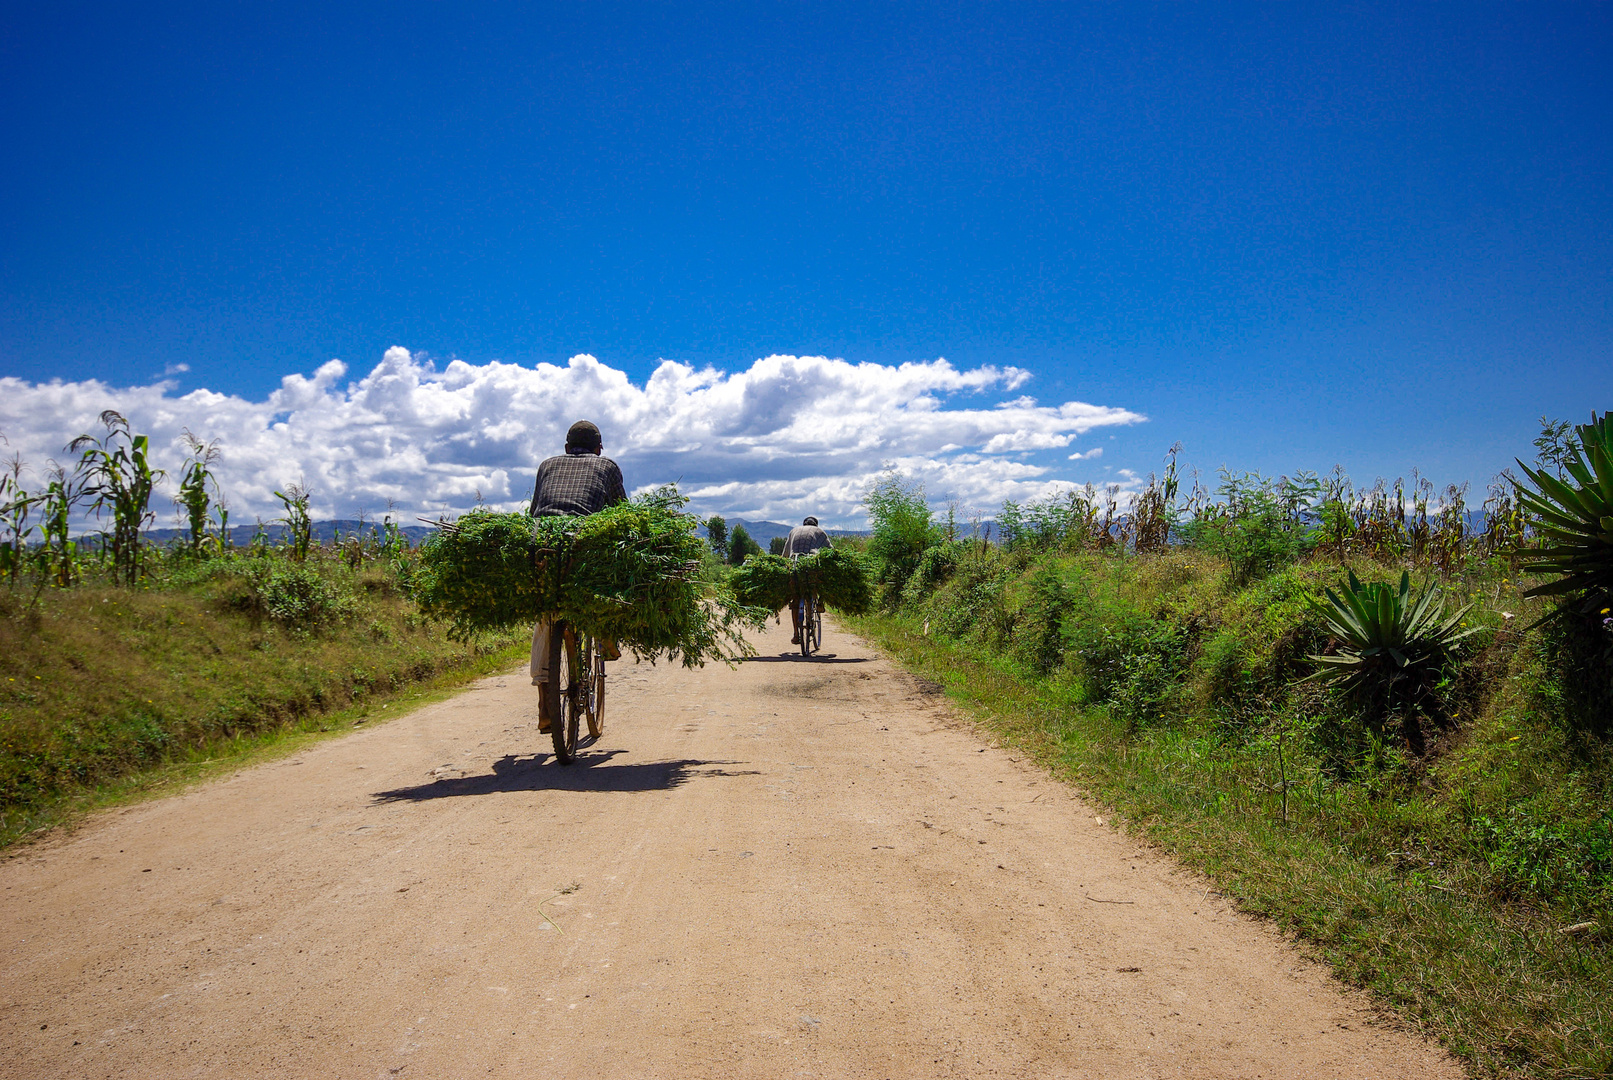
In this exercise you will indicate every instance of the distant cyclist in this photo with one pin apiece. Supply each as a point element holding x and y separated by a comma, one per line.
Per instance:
<point>804,539</point>
<point>580,481</point>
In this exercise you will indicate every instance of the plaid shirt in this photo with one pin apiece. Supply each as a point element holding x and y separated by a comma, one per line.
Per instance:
<point>576,484</point>
<point>804,540</point>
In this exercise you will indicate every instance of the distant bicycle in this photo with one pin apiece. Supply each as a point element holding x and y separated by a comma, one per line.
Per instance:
<point>809,616</point>
<point>574,693</point>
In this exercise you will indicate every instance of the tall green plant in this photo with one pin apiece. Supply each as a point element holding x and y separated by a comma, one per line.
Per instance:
<point>717,534</point>
<point>299,525</point>
<point>1154,513</point>
<point>1573,514</point>
<point>1390,640</point>
<point>741,546</point>
<point>16,505</point>
<point>118,476</point>
<point>58,558</point>
<point>1260,525</point>
<point>197,484</point>
<point>903,529</point>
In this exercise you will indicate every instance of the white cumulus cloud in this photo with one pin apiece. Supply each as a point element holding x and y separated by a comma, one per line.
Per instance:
<point>787,436</point>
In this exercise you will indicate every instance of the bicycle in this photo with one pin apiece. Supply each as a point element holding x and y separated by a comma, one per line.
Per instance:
<point>809,617</point>
<point>575,689</point>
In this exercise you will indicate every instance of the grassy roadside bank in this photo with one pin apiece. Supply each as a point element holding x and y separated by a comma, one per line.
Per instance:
<point>1358,872</point>
<point>107,693</point>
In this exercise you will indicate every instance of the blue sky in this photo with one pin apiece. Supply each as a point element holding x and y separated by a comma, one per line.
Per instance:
<point>1290,236</point>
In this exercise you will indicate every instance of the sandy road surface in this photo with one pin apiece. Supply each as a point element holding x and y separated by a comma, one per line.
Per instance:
<point>796,869</point>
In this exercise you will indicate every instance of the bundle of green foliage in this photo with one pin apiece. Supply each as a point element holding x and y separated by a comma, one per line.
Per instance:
<point>840,578</point>
<point>627,573</point>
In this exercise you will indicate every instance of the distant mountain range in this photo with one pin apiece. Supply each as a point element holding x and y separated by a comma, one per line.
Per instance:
<point>760,531</point>
<point>323,532</point>
<point>763,531</point>
<point>326,531</point>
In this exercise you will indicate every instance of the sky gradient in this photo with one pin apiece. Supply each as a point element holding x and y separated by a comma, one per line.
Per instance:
<point>1289,237</point>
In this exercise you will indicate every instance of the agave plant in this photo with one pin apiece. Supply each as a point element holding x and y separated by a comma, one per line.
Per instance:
<point>1389,640</point>
<point>1574,519</point>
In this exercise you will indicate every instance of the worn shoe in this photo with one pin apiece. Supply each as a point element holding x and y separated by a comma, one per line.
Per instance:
<point>796,640</point>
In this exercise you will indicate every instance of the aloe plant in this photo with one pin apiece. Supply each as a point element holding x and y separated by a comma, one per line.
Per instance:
<point>1389,640</point>
<point>1573,515</point>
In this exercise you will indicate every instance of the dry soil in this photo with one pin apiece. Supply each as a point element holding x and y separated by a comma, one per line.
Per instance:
<point>793,869</point>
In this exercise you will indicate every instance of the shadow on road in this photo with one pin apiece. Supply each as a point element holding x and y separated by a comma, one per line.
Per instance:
<point>797,658</point>
<point>591,772</point>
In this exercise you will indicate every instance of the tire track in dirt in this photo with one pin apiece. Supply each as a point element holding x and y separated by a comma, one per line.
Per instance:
<point>799,868</point>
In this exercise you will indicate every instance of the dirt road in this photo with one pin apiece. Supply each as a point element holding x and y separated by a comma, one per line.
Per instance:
<point>796,869</point>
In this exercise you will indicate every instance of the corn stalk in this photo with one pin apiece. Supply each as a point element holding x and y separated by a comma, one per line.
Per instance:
<point>15,507</point>
<point>118,476</point>
<point>194,494</point>
<point>299,526</point>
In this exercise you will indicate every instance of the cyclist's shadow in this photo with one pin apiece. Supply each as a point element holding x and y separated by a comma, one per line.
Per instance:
<point>592,771</point>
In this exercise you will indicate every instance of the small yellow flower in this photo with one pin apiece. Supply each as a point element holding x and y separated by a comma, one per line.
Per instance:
<point>1515,738</point>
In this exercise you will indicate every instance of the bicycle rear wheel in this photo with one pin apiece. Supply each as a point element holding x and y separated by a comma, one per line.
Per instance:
<point>562,691</point>
<point>803,611</point>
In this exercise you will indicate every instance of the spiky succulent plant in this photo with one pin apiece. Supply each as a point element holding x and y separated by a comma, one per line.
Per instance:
<point>1385,634</point>
<point>1574,520</point>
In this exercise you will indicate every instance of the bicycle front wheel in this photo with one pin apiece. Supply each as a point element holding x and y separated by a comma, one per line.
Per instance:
<point>595,675</point>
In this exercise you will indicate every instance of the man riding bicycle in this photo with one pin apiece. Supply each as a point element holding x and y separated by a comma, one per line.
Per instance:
<point>804,539</point>
<point>574,484</point>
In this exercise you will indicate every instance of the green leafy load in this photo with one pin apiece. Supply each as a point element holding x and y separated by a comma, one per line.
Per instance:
<point>840,578</point>
<point>627,573</point>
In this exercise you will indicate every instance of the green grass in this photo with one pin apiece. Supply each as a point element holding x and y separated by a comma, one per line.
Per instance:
<point>1440,885</point>
<point>106,693</point>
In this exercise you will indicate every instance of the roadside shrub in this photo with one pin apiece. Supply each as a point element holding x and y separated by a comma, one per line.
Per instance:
<point>1232,678</point>
<point>1040,637</point>
<point>902,532</point>
<point>971,604</point>
<point>1131,663</point>
<point>935,568</point>
<point>1258,529</point>
<point>297,597</point>
<point>1581,651</point>
<point>1151,663</point>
